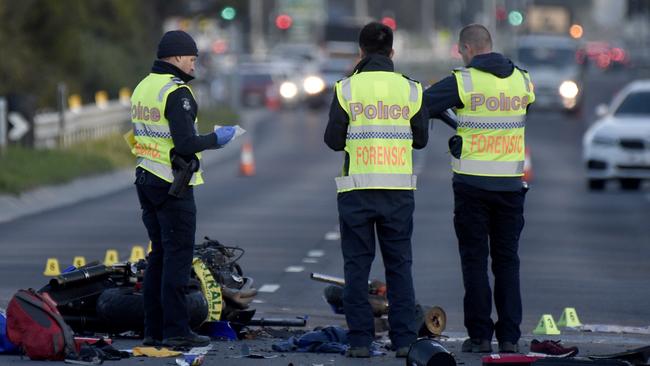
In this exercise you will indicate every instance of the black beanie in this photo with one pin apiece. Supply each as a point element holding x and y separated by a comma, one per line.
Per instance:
<point>177,43</point>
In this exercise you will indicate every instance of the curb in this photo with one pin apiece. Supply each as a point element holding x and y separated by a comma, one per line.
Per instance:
<point>51,197</point>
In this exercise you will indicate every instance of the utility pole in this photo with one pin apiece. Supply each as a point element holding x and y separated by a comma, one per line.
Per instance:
<point>257,41</point>
<point>427,15</point>
<point>3,126</point>
<point>361,10</point>
<point>61,94</point>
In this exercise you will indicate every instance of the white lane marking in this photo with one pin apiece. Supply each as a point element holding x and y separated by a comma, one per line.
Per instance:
<point>269,287</point>
<point>258,301</point>
<point>316,253</point>
<point>332,235</point>
<point>309,260</point>
<point>294,269</point>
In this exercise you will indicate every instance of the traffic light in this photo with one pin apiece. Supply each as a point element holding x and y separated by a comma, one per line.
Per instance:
<point>283,21</point>
<point>501,13</point>
<point>228,13</point>
<point>515,18</point>
<point>389,22</point>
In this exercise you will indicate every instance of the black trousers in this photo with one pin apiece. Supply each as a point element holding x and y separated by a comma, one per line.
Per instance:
<point>489,223</point>
<point>390,213</point>
<point>171,225</point>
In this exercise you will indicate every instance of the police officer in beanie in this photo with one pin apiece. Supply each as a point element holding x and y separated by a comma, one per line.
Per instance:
<point>164,120</point>
<point>377,118</point>
<point>491,97</point>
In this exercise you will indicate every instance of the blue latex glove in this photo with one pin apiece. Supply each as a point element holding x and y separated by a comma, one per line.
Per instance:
<point>224,134</point>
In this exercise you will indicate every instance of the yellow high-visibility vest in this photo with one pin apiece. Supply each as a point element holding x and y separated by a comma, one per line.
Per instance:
<point>153,140</point>
<point>492,122</point>
<point>379,141</point>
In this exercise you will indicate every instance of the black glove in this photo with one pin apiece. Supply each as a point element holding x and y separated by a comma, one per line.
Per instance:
<point>456,146</point>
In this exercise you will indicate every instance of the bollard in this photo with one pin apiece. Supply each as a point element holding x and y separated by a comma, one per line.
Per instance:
<point>429,352</point>
<point>74,103</point>
<point>101,99</point>
<point>125,96</point>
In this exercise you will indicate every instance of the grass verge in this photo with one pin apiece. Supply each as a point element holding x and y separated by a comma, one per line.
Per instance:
<point>22,169</point>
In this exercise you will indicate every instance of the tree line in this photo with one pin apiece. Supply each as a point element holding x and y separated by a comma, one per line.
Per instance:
<point>88,45</point>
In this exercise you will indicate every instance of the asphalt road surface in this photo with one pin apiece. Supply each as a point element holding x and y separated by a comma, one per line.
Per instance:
<point>578,249</point>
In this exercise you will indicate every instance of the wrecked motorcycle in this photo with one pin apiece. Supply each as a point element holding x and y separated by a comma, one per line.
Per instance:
<point>108,299</point>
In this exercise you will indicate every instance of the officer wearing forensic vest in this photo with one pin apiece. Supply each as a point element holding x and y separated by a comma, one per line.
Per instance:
<point>377,118</point>
<point>163,112</point>
<point>491,97</point>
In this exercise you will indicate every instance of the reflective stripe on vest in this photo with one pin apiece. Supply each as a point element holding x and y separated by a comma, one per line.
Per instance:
<point>379,139</point>
<point>488,168</point>
<point>379,181</point>
<point>163,91</point>
<point>151,128</point>
<point>526,80</point>
<point>161,170</point>
<point>413,91</point>
<point>347,90</point>
<point>492,122</point>
<point>468,86</point>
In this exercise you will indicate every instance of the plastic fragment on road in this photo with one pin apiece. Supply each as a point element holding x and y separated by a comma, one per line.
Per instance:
<point>190,360</point>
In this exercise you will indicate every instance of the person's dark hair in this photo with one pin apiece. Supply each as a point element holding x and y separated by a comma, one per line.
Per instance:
<point>376,38</point>
<point>477,36</point>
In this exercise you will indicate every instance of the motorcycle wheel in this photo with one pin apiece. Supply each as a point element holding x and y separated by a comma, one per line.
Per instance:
<point>121,309</point>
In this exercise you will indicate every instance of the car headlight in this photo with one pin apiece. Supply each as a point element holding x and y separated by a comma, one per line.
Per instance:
<point>313,84</point>
<point>603,140</point>
<point>568,89</point>
<point>288,90</point>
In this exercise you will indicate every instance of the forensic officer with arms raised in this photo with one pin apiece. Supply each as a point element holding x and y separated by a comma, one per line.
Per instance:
<point>491,97</point>
<point>167,147</point>
<point>377,118</point>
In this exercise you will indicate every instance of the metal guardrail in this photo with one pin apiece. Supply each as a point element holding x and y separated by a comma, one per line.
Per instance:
<point>85,123</point>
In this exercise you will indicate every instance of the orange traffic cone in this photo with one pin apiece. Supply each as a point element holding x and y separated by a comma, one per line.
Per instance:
<point>247,161</point>
<point>272,99</point>
<point>528,167</point>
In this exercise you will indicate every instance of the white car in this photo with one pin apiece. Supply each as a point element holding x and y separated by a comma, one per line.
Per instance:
<point>617,146</point>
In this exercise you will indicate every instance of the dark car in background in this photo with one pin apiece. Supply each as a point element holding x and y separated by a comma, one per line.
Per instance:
<point>255,85</point>
<point>555,73</point>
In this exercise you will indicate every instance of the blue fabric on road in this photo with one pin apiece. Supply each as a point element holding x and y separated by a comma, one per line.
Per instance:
<point>325,340</point>
<point>6,346</point>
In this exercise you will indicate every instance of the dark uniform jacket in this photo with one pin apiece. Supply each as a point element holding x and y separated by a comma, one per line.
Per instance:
<point>181,110</point>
